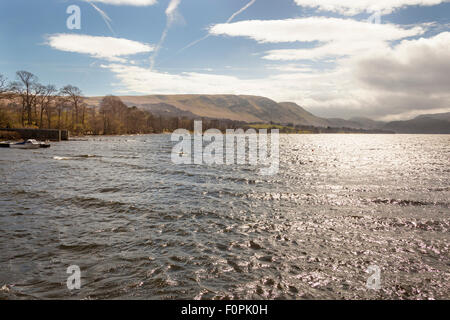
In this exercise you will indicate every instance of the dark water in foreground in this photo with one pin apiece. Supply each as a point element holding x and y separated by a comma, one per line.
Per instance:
<point>140,227</point>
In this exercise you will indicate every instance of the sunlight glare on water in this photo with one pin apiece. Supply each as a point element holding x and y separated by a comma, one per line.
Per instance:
<point>141,227</point>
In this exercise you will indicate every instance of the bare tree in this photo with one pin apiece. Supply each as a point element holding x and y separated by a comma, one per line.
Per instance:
<point>3,85</point>
<point>83,114</point>
<point>60,106</point>
<point>75,96</point>
<point>45,99</point>
<point>4,88</point>
<point>28,89</point>
<point>113,111</point>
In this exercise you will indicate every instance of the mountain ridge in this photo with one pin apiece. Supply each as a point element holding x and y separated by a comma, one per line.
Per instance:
<point>257,109</point>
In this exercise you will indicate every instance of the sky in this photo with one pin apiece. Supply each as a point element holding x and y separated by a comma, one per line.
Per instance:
<point>385,59</point>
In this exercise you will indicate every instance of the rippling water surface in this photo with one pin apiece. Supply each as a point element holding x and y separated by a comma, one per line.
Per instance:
<point>140,227</point>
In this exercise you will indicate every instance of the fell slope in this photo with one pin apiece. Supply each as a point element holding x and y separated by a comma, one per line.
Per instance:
<point>263,110</point>
<point>425,125</point>
<point>240,108</point>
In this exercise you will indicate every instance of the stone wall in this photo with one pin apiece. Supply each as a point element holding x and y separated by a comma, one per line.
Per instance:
<point>41,134</point>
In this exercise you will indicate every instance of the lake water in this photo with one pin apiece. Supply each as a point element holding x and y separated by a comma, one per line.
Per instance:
<point>140,227</point>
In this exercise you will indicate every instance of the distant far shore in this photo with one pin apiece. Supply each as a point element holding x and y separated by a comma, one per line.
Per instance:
<point>17,134</point>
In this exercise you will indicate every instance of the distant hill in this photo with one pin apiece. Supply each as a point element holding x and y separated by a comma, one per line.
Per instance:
<point>240,108</point>
<point>306,118</point>
<point>165,109</point>
<point>438,116</point>
<point>254,109</point>
<point>368,123</point>
<point>233,107</point>
<point>420,125</point>
<point>309,119</point>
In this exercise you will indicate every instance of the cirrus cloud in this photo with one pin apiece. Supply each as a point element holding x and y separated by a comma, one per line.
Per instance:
<point>336,37</point>
<point>312,29</point>
<point>354,7</point>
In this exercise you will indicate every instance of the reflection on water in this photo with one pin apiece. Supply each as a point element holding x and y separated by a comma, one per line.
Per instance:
<point>140,227</point>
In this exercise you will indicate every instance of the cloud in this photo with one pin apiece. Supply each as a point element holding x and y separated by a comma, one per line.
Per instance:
<point>312,29</point>
<point>354,7</point>
<point>413,75</point>
<point>292,86</point>
<point>171,11</point>
<point>291,68</point>
<point>108,48</point>
<point>137,3</point>
<point>145,81</point>
<point>336,37</point>
<point>421,66</point>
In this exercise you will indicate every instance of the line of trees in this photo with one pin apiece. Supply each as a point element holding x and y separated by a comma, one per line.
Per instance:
<point>26,103</point>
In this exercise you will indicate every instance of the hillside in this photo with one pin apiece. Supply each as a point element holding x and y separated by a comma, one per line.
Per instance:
<point>307,118</point>
<point>240,108</point>
<point>437,116</point>
<point>368,123</point>
<point>425,125</point>
<point>254,109</point>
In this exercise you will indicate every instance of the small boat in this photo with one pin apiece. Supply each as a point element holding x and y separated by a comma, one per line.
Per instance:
<point>4,144</point>
<point>45,144</point>
<point>29,144</point>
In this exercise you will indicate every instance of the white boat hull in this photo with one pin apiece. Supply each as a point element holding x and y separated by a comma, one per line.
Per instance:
<point>29,144</point>
<point>25,146</point>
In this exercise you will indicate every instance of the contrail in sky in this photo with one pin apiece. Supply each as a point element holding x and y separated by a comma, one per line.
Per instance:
<point>241,10</point>
<point>230,19</point>
<point>171,13</point>
<point>104,16</point>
